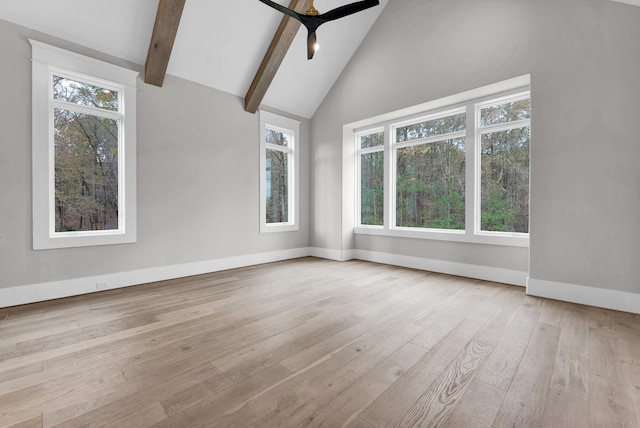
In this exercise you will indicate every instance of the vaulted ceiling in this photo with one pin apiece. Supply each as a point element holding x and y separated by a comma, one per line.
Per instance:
<point>220,44</point>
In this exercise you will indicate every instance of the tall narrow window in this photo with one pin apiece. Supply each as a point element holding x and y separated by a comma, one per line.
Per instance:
<point>83,150</point>
<point>279,176</point>
<point>430,172</point>
<point>371,167</point>
<point>86,124</point>
<point>504,129</point>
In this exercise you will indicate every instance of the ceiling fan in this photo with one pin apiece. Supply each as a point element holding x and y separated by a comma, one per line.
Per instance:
<point>312,19</point>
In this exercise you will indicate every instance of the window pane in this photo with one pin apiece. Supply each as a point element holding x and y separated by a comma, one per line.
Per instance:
<point>86,172</point>
<point>84,94</point>
<point>507,112</point>
<point>372,188</point>
<point>505,181</point>
<point>443,125</point>
<point>277,186</point>
<point>430,182</point>
<point>372,140</point>
<point>278,138</point>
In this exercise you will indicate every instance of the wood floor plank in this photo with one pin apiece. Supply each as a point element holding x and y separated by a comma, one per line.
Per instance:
<point>325,347</point>
<point>526,398</point>
<point>627,328</point>
<point>239,366</point>
<point>553,312</point>
<point>565,411</point>
<point>610,395</point>
<point>478,407</point>
<point>21,372</point>
<point>359,423</point>
<point>571,370</point>
<point>389,407</point>
<point>210,403</point>
<point>312,396</point>
<point>633,375</point>
<point>163,386</point>
<point>312,342</point>
<point>436,404</point>
<point>503,362</point>
<point>285,394</point>
<point>33,422</point>
<point>141,418</point>
<point>40,398</point>
<point>347,406</point>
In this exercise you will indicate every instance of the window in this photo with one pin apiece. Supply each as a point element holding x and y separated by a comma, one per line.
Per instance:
<point>430,171</point>
<point>459,171</point>
<point>371,167</point>
<point>279,173</point>
<point>83,150</point>
<point>504,129</point>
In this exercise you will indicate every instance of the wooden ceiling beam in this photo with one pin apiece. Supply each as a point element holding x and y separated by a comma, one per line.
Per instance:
<point>278,48</point>
<point>164,34</point>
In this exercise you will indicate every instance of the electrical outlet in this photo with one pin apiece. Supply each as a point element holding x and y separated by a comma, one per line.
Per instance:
<point>102,285</point>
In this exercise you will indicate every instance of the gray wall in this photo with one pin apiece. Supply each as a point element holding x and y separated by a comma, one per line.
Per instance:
<point>584,59</point>
<point>198,172</point>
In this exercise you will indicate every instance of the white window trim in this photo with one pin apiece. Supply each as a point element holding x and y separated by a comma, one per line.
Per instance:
<point>46,61</point>
<point>292,127</point>
<point>358,159</point>
<point>510,96</point>
<point>471,101</point>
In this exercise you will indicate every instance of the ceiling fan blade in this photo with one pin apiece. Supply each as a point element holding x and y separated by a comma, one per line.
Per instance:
<point>283,9</point>
<point>346,10</point>
<point>313,21</point>
<point>311,44</point>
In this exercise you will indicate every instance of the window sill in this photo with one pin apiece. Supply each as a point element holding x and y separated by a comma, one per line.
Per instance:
<point>279,227</point>
<point>504,239</point>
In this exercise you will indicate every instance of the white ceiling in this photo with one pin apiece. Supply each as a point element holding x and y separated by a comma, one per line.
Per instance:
<point>219,43</point>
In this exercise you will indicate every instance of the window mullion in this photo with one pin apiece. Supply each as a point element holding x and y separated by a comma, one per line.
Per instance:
<point>470,190</point>
<point>370,150</point>
<point>432,139</point>
<point>389,180</point>
<point>507,126</point>
<point>278,148</point>
<point>92,111</point>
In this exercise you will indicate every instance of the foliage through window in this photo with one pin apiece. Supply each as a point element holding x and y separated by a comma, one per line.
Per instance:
<point>277,177</point>
<point>371,160</point>
<point>504,146</point>
<point>465,169</point>
<point>430,173</point>
<point>86,156</point>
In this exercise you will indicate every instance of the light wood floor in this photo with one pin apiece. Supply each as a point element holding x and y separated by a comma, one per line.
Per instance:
<point>312,342</point>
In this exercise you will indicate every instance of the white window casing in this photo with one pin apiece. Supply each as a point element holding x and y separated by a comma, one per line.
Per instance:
<point>291,128</point>
<point>48,61</point>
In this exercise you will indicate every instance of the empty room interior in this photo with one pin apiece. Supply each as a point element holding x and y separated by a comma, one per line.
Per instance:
<point>335,213</point>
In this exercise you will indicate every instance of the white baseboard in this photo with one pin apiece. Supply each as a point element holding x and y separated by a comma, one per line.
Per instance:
<point>591,296</point>
<point>336,255</point>
<point>610,299</point>
<point>32,293</point>
<point>325,253</point>
<point>486,273</point>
